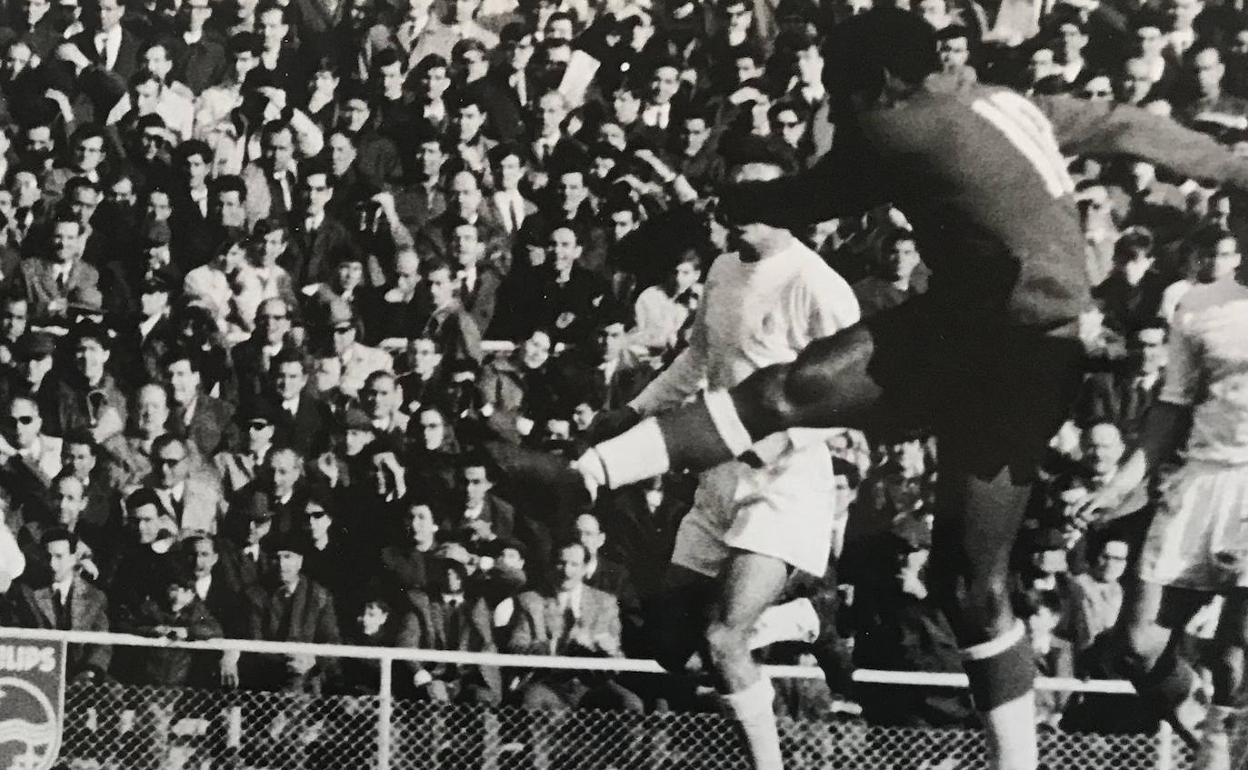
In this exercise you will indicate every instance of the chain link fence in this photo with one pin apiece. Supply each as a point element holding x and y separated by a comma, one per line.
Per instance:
<point>117,727</point>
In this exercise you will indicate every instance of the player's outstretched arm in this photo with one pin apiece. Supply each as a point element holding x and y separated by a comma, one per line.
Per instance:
<point>844,182</point>
<point>1102,128</point>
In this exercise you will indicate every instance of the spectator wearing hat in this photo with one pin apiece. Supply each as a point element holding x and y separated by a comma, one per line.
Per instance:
<point>123,279</point>
<point>32,362</point>
<point>303,420</point>
<point>88,396</point>
<point>292,609</point>
<point>240,468</point>
<point>203,420</point>
<point>246,554</point>
<point>358,361</point>
<point>46,281</point>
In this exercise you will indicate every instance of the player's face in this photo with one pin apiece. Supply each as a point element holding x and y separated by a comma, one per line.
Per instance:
<point>1221,262</point>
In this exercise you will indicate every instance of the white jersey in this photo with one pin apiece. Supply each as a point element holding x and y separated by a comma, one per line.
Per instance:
<point>753,315</point>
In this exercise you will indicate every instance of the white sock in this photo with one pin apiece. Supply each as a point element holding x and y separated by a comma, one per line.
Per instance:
<point>753,709</point>
<point>727,422</point>
<point>1012,734</point>
<point>794,621</point>
<point>637,454</point>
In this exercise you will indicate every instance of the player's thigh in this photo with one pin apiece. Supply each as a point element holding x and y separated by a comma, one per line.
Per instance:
<point>751,583</point>
<point>868,376</point>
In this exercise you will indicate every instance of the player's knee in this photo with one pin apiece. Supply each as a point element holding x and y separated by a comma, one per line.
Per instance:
<point>978,608</point>
<point>726,643</point>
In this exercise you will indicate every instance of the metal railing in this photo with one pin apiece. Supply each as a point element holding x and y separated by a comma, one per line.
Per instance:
<point>151,728</point>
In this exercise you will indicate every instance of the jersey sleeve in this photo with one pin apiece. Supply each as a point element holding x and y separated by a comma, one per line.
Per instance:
<point>682,378</point>
<point>1182,377</point>
<point>833,306</point>
<point>1097,128</point>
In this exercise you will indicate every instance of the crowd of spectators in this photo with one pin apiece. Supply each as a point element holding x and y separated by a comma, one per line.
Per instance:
<point>298,296</point>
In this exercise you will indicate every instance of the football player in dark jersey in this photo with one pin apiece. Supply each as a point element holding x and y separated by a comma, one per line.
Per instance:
<point>989,357</point>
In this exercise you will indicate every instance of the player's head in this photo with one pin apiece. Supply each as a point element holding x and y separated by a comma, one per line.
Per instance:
<point>877,54</point>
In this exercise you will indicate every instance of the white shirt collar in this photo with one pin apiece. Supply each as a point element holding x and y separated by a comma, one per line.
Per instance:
<point>63,587</point>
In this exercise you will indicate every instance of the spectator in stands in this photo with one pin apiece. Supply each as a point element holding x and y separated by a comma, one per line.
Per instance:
<point>68,603</point>
<point>480,515</point>
<point>1098,595</point>
<point>901,276</point>
<point>303,421</point>
<point>1131,295</point>
<point>899,628</point>
<point>192,501</point>
<point>237,469</point>
<point>204,420</point>
<point>450,619</point>
<point>428,382</point>
<point>571,619</point>
<point>1053,654</point>
<point>31,459</point>
<point>1123,394</point>
<point>662,310</point>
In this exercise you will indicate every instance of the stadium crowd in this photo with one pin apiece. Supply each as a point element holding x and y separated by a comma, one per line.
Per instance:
<point>300,299</point>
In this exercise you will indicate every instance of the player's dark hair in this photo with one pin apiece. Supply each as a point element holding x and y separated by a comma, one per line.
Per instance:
<point>858,51</point>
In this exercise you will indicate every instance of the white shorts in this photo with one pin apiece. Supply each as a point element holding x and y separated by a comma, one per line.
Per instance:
<point>1199,535</point>
<point>786,510</point>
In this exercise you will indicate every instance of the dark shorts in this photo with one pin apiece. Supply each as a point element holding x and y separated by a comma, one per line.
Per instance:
<point>993,393</point>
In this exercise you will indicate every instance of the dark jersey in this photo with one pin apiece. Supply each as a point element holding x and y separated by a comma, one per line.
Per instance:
<point>981,175</point>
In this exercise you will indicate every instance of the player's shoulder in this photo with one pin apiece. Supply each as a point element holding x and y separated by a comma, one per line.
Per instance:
<point>1205,297</point>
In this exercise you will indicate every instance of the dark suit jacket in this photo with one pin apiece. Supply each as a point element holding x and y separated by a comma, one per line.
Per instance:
<point>1112,396</point>
<point>88,611</point>
<point>313,256</point>
<point>467,627</point>
<point>165,667</point>
<point>405,571</point>
<point>127,54</point>
<point>210,424</point>
<point>310,618</point>
<point>480,302</point>
<point>494,509</point>
<point>307,431</point>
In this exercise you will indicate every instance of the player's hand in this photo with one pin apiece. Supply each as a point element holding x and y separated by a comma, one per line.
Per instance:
<point>1087,511</point>
<point>593,472</point>
<point>609,424</point>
